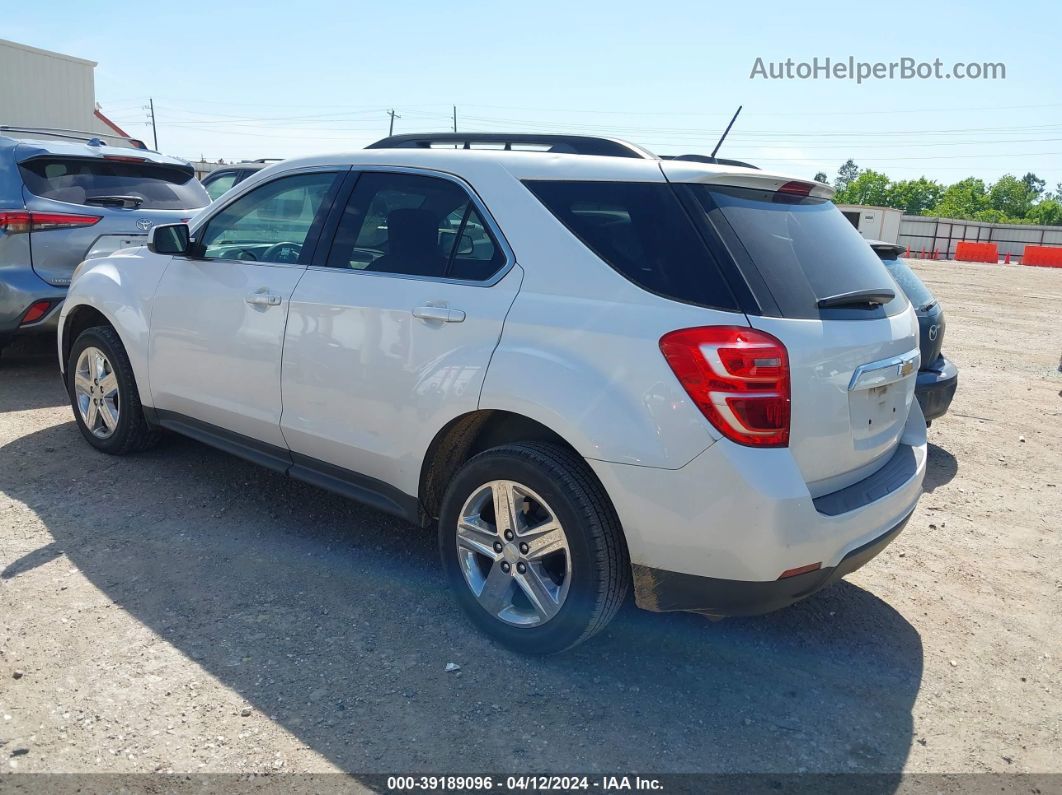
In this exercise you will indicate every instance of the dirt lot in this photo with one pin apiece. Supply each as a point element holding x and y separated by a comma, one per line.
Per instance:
<point>185,611</point>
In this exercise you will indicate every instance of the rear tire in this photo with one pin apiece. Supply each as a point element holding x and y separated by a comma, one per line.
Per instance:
<point>104,396</point>
<point>535,590</point>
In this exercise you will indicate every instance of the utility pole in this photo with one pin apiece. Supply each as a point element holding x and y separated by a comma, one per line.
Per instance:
<point>393,115</point>
<point>154,131</point>
<point>455,118</point>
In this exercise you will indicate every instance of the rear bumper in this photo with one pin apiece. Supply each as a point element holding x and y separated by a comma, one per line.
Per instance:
<point>20,286</point>
<point>663,591</point>
<point>716,535</point>
<point>935,387</point>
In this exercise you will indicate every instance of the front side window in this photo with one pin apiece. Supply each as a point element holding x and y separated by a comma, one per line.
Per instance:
<point>103,182</point>
<point>272,223</point>
<point>414,225</point>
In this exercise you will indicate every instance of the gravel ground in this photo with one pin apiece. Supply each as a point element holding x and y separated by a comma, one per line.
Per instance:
<point>185,611</point>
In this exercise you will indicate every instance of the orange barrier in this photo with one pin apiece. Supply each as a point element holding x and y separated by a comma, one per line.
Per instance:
<point>977,252</point>
<point>1044,256</point>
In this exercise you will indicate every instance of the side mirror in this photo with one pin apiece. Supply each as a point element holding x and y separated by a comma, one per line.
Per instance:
<point>169,239</point>
<point>465,245</point>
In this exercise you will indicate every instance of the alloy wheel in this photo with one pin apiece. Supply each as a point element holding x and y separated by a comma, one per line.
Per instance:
<point>97,394</point>
<point>513,553</point>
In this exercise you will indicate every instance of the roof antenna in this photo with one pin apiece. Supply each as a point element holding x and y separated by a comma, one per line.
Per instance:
<point>726,131</point>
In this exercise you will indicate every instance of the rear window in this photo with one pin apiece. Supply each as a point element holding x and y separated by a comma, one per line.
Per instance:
<point>112,183</point>
<point>642,231</point>
<point>804,248</point>
<point>913,287</point>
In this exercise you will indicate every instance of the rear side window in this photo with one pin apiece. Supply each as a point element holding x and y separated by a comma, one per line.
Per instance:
<point>641,230</point>
<point>113,183</point>
<point>804,248</point>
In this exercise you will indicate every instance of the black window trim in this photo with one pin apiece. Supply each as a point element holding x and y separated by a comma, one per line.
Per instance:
<point>331,227</point>
<point>316,226</point>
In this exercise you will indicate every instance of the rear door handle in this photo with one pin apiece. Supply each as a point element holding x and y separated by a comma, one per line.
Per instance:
<point>439,313</point>
<point>263,299</point>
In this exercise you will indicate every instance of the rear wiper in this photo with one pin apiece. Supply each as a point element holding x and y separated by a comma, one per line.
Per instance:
<point>121,201</point>
<point>864,298</point>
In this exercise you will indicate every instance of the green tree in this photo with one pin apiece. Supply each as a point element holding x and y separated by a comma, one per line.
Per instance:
<point>870,187</point>
<point>845,174</point>
<point>1034,184</point>
<point>1010,196</point>
<point>964,199</point>
<point>820,176</point>
<point>914,196</point>
<point>1049,211</point>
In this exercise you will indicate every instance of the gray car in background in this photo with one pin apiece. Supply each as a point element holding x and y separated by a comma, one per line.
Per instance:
<point>67,200</point>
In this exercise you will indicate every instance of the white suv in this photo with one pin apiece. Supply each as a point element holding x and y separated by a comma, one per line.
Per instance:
<point>591,371</point>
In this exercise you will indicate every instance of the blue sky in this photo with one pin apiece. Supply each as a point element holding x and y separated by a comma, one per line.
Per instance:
<point>244,80</point>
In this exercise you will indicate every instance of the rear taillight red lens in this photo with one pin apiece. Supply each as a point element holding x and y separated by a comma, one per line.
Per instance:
<point>796,188</point>
<point>20,221</point>
<point>739,379</point>
<point>36,311</point>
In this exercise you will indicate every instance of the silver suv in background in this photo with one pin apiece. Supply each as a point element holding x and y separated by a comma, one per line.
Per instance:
<point>63,201</point>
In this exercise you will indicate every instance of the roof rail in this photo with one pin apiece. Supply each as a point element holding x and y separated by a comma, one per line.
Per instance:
<point>568,144</point>
<point>720,161</point>
<point>76,135</point>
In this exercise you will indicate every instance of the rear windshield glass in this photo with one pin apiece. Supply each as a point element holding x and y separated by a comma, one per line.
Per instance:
<point>641,230</point>
<point>804,248</point>
<point>111,183</point>
<point>915,289</point>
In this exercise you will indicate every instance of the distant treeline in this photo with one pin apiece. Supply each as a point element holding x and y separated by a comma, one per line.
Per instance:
<point>1008,200</point>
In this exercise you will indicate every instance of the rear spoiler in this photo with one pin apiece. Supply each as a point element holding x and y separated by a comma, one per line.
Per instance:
<point>91,138</point>
<point>886,250</point>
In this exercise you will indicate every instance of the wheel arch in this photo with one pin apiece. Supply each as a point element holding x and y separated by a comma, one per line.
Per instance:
<point>75,321</point>
<point>472,433</point>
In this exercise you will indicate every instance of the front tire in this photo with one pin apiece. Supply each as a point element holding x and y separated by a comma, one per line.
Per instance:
<point>532,548</point>
<point>104,395</point>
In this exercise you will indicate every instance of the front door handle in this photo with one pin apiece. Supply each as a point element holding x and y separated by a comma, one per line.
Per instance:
<point>263,299</point>
<point>440,313</point>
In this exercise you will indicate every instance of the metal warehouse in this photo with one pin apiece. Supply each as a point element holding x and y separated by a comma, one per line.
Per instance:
<point>40,88</point>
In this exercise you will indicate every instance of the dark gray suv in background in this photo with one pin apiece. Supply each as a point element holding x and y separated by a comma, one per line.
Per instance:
<point>63,201</point>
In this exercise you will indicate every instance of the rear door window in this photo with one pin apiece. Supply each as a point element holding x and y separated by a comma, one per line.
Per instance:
<point>642,231</point>
<point>114,183</point>
<point>414,225</point>
<point>803,247</point>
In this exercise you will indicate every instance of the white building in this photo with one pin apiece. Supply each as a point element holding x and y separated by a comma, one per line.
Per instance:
<point>874,223</point>
<point>39,88</point>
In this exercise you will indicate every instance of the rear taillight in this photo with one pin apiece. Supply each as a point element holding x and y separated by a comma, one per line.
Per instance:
<point>739,379</point>
<point>36,311</point>
<point>796,188</point>
<point>20,221</point>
